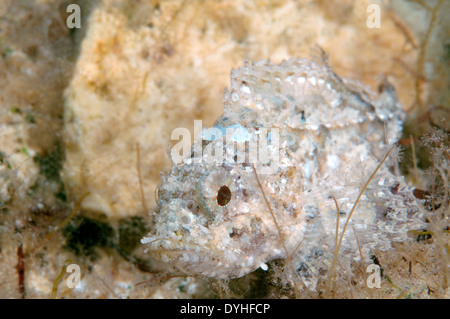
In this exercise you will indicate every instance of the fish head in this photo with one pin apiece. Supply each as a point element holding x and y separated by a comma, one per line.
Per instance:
<point>211,221</point>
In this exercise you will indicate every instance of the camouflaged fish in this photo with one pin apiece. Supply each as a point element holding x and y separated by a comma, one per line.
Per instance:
<point>327,135</point>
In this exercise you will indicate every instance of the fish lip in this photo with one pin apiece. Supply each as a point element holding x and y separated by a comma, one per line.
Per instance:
<point>196,259</point>
<point>156,243</point>
<point>173,245</point>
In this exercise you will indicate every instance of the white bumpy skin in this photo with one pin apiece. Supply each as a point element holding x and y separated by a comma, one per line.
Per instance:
<point>332,135</point>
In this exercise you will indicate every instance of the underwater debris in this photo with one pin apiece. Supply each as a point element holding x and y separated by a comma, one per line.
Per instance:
<point>83,235</point>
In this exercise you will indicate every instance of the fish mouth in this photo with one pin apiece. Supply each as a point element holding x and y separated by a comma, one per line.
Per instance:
<point>194,259</point>
<point>173,249</point>
<point>171,245</point>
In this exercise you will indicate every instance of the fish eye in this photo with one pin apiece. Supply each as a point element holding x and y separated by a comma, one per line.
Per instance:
<point>223,196</point>
<point>214,191</point>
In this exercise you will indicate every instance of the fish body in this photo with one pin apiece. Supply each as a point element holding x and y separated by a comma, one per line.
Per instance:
<point>312,138</point>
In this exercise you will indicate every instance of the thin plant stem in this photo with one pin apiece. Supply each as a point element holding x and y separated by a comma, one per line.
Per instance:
<point>333,265</point>
<point>280,234</point>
